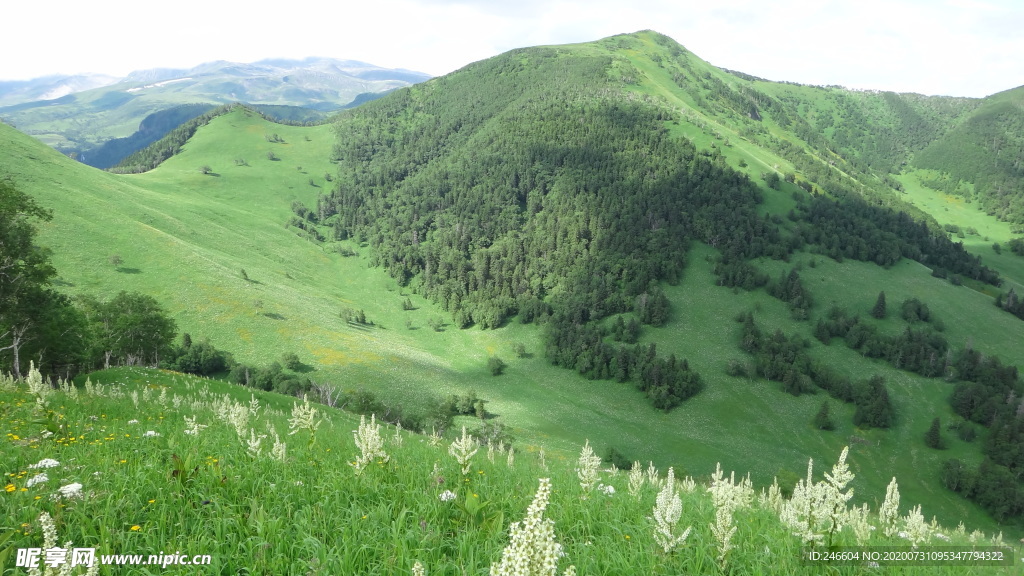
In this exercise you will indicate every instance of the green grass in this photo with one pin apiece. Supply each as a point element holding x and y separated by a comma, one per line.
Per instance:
<point>184,238</point>
<point>148,488</point>
<point>753,425</point>
<point>949,209</point>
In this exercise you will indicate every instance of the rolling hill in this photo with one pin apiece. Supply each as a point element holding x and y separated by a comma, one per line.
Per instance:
<point>572,183</point>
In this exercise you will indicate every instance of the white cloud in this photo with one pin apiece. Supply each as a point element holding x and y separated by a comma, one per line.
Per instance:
<point>961,47</point>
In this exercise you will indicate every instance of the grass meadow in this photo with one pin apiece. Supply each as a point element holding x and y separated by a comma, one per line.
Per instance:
<point>169,463</point>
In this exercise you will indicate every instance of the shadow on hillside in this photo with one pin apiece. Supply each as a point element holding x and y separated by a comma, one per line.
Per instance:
<point>62,282</point>
<point>128,270</point>
<point>274,316</point>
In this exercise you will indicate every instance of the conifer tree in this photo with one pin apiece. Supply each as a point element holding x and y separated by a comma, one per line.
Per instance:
<point>879,310</point>
<point>933,438</point>
<point>823,419</point>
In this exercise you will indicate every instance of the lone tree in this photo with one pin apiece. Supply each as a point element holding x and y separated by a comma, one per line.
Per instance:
<point>116,261</point>
<point>933,438</point>
<point>205,169</point>
<point>823,419</point>
<point>25,270</point>
<point>879,310</point>
<point>496,365</point>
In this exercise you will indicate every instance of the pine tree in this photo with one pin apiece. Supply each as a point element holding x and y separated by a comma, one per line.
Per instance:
<point>933,437</point>
<point>879,310</point>
<point>823,419</point>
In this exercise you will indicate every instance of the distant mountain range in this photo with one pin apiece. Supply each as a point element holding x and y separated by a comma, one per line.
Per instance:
<point>78,114</point>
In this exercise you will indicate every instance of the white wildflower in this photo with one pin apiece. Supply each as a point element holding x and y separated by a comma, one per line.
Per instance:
<point>397,438</point>
<point>540,457</point>
<point>37,479</point>
<point>688,484</point>
<point>304,417</point>
<point>834,497</point>
<point>463,450</point>
<point>917,529</point>
<point>434,439</point>
<point>772,499</point>
<point>41,390</point>
<point>652,474</point>
<point>252,445</point>
<point>192,428</point>
<point>510,460</point>
<point>133,421</point>
<point>50,543</point>
<point>446,496</point>
<point>279,450</point>
<point>889,513</point>
<point>93,389</point>
<point>150,434</point>
<point>606,489</point>
<point>667,511</point>
<point>418,569</point>
<point>636,479</point>
<point>728,493</point>
<point>723,530</point>
<point>44,463</point>
<point>816,509</point>
<point>135,398</point>
<point>73,490</point>
<point>254,405</point>
<point>532,549</point>
<point>800,511</point>
<point>587,469</point>
<point>238,416</point>
<point>490,451</point>
<point>369,442</point>
<point>858,520</point>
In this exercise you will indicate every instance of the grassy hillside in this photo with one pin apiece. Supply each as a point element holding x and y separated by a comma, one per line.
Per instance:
<point>185,237</point>
<point>146,462</point>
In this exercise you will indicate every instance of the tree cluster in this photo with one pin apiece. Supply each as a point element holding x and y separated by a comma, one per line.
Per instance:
<point>854,229</point>
<point>791,290</point>
<point>785,359</point>
<point>1011,302</point>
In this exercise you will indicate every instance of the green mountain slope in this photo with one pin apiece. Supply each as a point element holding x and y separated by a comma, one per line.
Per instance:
<point>185,236</point>
<point>985,150</point>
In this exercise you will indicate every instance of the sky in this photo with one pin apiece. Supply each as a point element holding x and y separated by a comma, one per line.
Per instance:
<point>946,47</point>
